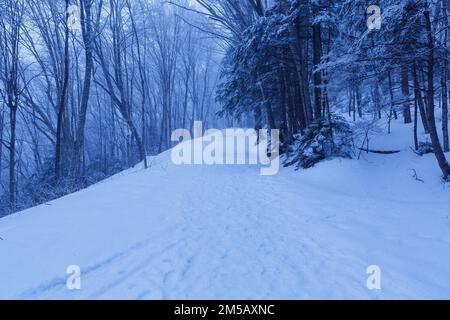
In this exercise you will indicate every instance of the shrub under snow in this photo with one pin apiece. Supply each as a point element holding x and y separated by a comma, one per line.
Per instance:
<point>325,138</point>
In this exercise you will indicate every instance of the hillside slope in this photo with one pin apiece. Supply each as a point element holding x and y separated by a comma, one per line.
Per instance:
<point>220,232</point>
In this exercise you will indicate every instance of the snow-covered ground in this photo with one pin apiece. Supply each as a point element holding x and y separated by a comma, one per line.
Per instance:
<point>222,232</point>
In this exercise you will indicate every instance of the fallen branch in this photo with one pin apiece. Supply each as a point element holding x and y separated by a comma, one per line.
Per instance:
<point>416,152</point>
<point>380,151</point>
<point>416,177</point>
<point>366,137</point>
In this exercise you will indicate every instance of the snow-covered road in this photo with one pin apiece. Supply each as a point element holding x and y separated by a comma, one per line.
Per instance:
<point>225,232</point>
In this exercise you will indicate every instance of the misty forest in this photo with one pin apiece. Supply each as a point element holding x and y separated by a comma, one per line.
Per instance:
<point>89,88</point>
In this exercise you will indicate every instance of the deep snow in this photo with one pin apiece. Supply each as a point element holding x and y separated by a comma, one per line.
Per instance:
<point>225,232</point>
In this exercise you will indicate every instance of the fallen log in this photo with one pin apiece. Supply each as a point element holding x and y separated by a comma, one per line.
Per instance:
<point>380,151</point>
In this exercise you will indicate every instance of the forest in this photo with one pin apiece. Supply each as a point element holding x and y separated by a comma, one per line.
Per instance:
<point>89,88</point>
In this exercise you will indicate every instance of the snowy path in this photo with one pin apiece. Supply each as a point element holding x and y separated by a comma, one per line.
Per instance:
<point>226,232</point>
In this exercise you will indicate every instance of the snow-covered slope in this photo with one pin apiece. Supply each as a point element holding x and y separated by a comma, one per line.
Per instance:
<point>176,232</point>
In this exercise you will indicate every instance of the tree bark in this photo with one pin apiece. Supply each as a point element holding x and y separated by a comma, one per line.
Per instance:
<point>2,115</point>
<point>87,32</point>
<point>391,96</point>
<point>418,96</point>
<point>440,156</point>
<point>62,100</point>
<point>416,138</point>
<point>141,143</point>
<point>12,156</point>
<point>444,93</point>
<point>405,92</point>
<point>317,53</point>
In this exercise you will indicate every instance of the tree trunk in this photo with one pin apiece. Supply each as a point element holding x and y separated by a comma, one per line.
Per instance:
<point>444,93</point>
<point>359,101</point>
<point>405,92</point>
<point>185,100</point>
<point>62,100</point>
<point>285,134</point>
<point>317,53</point>
<point>416,138</point>
<point>140,143</point>
<point>1,146</point>
<point>444,77</point>
<point>303,85</point>
<point>391,96</point>
<point>12,156</point>
<point>440,156</point>
<point>87,32</point>
<point>137,139</point>
<point>418,97</point>
<point>270,118</point>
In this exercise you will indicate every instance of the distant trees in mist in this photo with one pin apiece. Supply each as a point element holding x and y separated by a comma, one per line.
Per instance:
<point>90,87</point>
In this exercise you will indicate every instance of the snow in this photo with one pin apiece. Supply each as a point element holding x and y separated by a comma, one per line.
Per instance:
<point>226,232</point>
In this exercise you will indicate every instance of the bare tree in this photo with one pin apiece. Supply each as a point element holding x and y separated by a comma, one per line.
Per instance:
<point>440,156</point>
<point>87,30</point>
<point>11,20</point>
<point>63,97</point>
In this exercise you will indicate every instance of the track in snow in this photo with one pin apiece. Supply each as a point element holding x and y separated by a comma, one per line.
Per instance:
<point>226,232</point>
